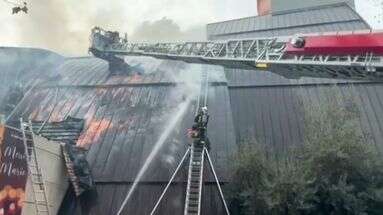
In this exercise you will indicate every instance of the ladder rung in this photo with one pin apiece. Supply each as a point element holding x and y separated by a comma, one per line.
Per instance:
<point>195,179</point>
<point>194,196</point>
<point>36,179</point>
<point>193,209</point>
<point>37,183</point>
<point>194,191</point>
<point>194,187</point>
<point>40,193</point>
<point>193,203</point>
<point>43,200</point>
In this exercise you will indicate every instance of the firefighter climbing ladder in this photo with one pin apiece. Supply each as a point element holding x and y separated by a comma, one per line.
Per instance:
<point>196,161</point>
<point>197,153</point>
<point>35,173</point>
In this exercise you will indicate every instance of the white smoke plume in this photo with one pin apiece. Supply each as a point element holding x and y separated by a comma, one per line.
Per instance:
<point>64,25</point>
<point>167,30</point>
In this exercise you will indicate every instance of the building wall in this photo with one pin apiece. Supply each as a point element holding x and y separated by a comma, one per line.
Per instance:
<point>278,6</point>
<point>51,161</point>
<point>264,7</point>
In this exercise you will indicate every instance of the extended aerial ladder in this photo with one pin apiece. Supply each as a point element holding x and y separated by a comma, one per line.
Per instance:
<point>342,55</point>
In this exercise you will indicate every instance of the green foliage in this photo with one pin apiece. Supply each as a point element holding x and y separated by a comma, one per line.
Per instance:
<point>253,175</point>
<point>335,171</point>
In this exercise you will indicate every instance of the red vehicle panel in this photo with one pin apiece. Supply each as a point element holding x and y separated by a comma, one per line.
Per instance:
<point>353,44</point>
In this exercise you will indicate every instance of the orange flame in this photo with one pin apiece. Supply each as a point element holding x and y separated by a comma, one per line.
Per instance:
<point>93,133</point>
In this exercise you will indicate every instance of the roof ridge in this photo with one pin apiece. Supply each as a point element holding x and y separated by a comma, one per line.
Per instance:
<point>79,57</point>
<point>319,7</point>
<point>26,48</point>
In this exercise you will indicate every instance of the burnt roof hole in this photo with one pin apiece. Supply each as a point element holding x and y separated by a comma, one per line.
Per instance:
<point>118,66</point>
<point>67,130</point>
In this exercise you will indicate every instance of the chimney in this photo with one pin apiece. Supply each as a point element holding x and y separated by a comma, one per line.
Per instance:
<point>264,7</point>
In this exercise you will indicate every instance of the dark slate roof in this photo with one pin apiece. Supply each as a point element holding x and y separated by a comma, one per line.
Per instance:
<point>67,130</point>
<point>23,67</point>
<point>124,116</point>
<point>328,18</point>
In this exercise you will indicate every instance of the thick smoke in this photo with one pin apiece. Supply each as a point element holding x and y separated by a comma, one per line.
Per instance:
<point>166,30</point>
<point>64,25</point>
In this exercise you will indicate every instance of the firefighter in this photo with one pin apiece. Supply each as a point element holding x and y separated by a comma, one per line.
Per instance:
<point>201,121</point>
<point>199,128</point>
<point>202,117</point>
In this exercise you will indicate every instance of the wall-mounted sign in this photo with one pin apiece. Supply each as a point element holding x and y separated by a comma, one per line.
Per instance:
<point>13,171</point>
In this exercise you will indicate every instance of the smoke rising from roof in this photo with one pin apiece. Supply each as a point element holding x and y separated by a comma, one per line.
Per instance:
<point>165,29</point>
<point>64,26</point>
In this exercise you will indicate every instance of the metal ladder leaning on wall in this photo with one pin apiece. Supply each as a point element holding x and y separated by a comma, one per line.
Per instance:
<point>194,184</point>
<point>196,161</point>
<point>35,172</point>
<point>197,153</point>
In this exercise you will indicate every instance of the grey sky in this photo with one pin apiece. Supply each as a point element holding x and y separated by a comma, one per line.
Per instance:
<point>64,25</point>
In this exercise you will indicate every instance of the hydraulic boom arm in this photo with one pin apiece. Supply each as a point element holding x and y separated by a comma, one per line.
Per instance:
<point>342,56</point>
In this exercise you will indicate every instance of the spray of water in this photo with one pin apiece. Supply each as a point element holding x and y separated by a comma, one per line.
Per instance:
<point>182,107</point>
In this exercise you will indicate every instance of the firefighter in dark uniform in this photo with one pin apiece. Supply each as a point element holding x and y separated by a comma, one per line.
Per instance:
<point>199,128</point>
